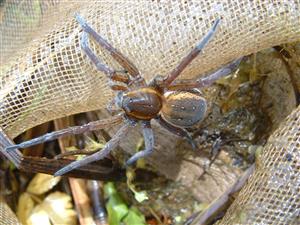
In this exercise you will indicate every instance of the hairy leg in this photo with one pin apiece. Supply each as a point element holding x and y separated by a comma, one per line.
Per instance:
<point>117,55</point>
<point>206,81</point>
<point>191,56</point>
<point>109,146</point>
<point>112,74</point>
<point>14,156</point>
<point>149,144</point>
<point>95,125</point>
<point>176,130</point>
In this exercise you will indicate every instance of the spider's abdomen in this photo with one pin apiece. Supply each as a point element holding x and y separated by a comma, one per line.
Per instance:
<point>143,104</point>
<point>183,108</point>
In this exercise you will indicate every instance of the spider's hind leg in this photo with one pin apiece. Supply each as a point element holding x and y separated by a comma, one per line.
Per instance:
<point>149,144</point>
<point>192,55</point>
<point>177,131</point>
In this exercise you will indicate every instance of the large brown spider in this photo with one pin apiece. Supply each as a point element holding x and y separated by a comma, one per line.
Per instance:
<point>175,104</point>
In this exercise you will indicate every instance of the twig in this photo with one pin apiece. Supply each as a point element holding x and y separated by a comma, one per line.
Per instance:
<point>219,203</point>
<point>78,186</point>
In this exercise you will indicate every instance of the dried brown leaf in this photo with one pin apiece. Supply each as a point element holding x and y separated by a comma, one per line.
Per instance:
<point>59,208</point>
<point>25,207</point>
<point>41,183</point>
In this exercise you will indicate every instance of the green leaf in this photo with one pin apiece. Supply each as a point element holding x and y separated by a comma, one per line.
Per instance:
<point>140,196</point>
<point>109,189</point>
<point>116,211</point>
<point>116,208</point>
<point>134,217</point>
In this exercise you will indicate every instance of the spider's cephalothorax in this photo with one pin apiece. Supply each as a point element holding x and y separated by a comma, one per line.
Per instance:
<point>141,104</point>
<point>174,104</point>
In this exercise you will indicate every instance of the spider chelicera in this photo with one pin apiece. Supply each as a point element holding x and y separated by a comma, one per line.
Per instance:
<point>174,104</point>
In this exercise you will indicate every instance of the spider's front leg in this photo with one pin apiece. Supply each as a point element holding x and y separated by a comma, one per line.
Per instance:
<point>191,56</point>
<point>117,55</point>
<point>149,143</point>
<point>189,84</point>
<point>110,73</point>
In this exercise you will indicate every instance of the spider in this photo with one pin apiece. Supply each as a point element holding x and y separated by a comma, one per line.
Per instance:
<point>174,104</point>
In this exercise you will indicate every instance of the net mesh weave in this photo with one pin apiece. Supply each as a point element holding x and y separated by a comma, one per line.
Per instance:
<point>272,195</point>
<point>45,75</point>
<point>6,214</point>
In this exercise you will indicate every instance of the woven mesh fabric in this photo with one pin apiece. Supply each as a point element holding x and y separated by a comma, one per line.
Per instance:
<point>45,75</point>
<point>272,195</point>
<point>7,217</point>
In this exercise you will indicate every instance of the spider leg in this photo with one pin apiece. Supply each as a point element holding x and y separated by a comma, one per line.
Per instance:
<point>191,56</point>
<point>117,87</point>
<point>149,144</point>
<point>208,80</point>
<point>109,146</point>
<point>118,56</point>
<point>95,125</point>
<point>112,74</point>
<point>122,76</point>
<point>176,130</point>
